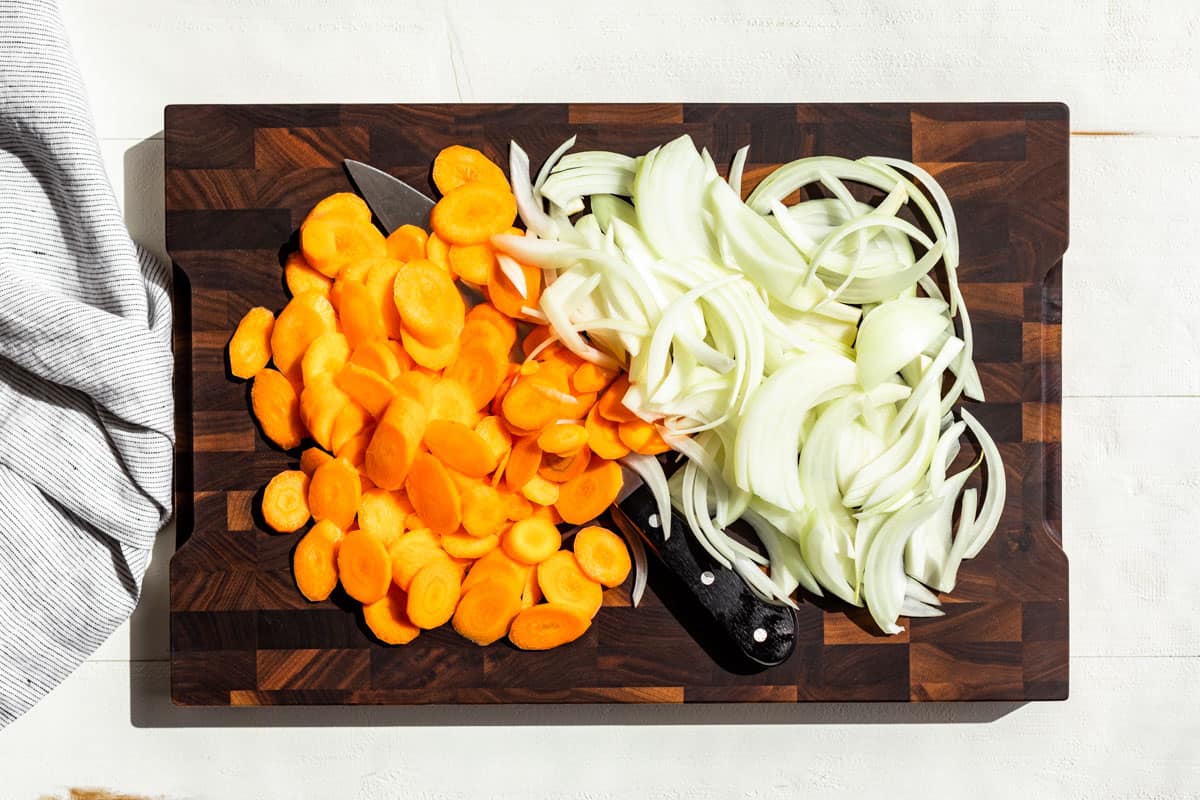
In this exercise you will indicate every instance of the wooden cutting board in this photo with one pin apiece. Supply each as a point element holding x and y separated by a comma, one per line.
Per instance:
<point>240,178</point>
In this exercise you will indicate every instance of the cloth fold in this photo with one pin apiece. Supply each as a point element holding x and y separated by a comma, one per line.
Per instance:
<point>86,410</point>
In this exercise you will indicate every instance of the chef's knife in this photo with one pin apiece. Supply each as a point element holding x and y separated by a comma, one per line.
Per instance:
<point>764,633</point>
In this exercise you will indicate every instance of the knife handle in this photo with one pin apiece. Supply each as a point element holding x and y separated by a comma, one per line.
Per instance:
<point>763,632</point>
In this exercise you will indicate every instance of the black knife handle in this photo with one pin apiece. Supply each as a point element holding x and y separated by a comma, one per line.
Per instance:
<point>763,632</point>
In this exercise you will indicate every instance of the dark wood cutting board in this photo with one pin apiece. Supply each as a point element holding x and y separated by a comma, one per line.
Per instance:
<point>240,178</point>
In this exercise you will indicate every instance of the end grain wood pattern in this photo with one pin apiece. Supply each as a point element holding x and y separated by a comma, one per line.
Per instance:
<point>239,179</point>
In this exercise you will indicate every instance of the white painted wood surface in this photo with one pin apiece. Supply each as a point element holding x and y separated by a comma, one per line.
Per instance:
<point>1131,409</point>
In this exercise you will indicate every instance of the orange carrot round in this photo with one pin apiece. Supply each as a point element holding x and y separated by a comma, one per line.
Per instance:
<point>285,501</point>
<point>546,626</point>
<point>330,242</point>
<point>504,295</point>
<point>563,582</point>
<point>563,438</point>
<point>429,303</point>
<point>523,462</point>
<point>486,312</point>
<point>437,250</point>
<point>484,512</point>
<point>321,403</point>
<point>388,618</point>
<point>466,546</point>
<point>250,345</point>
<point>433,594</point>
<point>473,212</point>
<point>642,437</point>
<point>497,566</point>
<point>560,469</point>
<point>334,492</point>
<point>480,367</point>
<point>610,405</point>
<point>312,458</point>
<point>602,555</point>
<point>411,552</point>
<point>303,319</point>
<point>459,448</point>
<point>407,243</point>
<point>541,491</point>
<point>314,563</point>
<point>590,378</point>
<point>604,436</point>
<point>485,611</point>
<point>585,497</point>
<point>346,205</point>
<point>382,512</point>
<point>433,494</point>
<point>363,566</point>
<point>300,277</point>
<point>433,358</point>
<point>325,354</point>
<point>472,262</point>
<point>531,541</point>
<point>277,409</point>
<point>456,165</point>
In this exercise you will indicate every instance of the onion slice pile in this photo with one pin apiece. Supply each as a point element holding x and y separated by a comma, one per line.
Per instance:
<point>804,358</point>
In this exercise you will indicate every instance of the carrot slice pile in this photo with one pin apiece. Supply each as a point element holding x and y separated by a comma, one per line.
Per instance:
<point>442,446</point>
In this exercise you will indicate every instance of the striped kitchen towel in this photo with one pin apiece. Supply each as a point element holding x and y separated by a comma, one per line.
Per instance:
<point>86,416</point>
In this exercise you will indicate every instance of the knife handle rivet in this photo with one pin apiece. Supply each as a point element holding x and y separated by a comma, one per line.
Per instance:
<point>760,635</point>
<point>707,578</point>
<point>653,521</point>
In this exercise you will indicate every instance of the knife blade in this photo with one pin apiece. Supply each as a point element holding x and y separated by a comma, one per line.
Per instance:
<point>762,633</point>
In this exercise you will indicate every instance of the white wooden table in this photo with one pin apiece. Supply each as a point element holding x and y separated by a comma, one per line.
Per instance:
<point>1131,396</point>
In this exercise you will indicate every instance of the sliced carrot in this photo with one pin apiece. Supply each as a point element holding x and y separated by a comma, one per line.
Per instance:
<point>363,566</point>
<point>380,282</point>
<point>395,444</point>
<point>602,555</point>
<point>560,469</point>
<point>532,403</point>
<point>455,165</point>
<point>314,563</point>
<point>303,319</point>
<point>466,546</point>
<point>497,566</point>
<point>486,312</point>
<point>564,583</point>
<point>379,357</point>
<point>437,250</point>
<point>320,404</point>
<point>360,315</point>
<point>563,439</point>
<point>433,494</point>
<point>497,437</point>
<point>300,277</point>
<point>510,378</point>
<point>382,512</point>
<point>604,436</point>
<point>354,449</point>
<point>407,243</point>
<point>312,458</point>
<point>434,358</point>
<point>429,303</point>
<point>531,593</point>
<point>433,594</point>
<point>642,437</point>
<point>388,618</point>
<point>549,513</point>
<point>473,212</point>
<point>459,447</point>
<point>590,378</point>
<point>472,262</point>
<point>516,506</point>
<point>481,367</point>
<point>610,405</point>
<point>370,389</point>
<point>334,492</point>
<point>451,401</point>
<point>485,612</point>
<point>531,541</point>
<point>546,626</point>
<point>341,204</point>
<point>350,422</point>
<point>535,337</point>
<point>523,463</point>
<point>411,552</point>
<point>250,345</point>
<point>327,353</point>
<point>402,357</point>
<point>417,385</point>
<point>285,501</point>
<point>330,242</point>
<point>504,295</point>
<point>484,512</point>
<point>540,491</point>
<point>585,497</point>
<point>277,409</point>
<point>354,272</point>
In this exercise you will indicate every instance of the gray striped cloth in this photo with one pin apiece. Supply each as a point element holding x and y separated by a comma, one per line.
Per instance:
<point>86,417</point>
